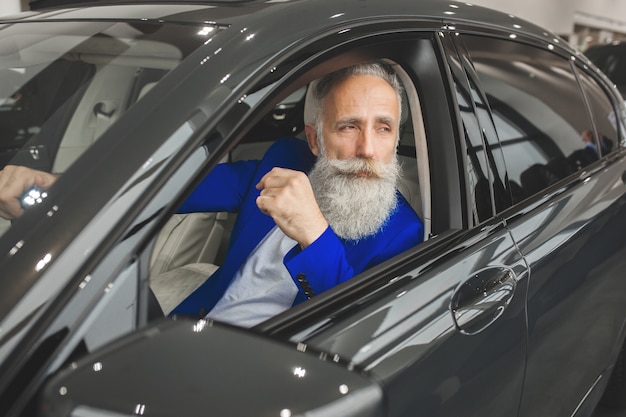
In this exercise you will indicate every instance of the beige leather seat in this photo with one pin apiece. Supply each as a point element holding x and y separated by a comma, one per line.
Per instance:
<point>186,239</point>
<point>101,105</point>
<point>171,287</point>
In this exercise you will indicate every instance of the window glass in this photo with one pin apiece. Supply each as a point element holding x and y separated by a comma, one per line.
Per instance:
<point>62,84</point>
<point>538,111</point>
<point>604,117</point>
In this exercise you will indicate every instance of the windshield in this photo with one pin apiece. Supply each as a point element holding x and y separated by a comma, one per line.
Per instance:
<point>62,84</point>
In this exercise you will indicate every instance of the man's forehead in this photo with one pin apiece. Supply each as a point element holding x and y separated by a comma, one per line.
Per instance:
<point>363,103</point>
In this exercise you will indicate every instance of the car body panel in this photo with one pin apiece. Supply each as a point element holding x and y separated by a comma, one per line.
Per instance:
<point>463,324</point>
<point>573,255</point>
<point>551,230</point>
<point>222,360</point>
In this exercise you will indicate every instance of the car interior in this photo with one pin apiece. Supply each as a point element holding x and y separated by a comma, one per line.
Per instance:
<point>101,89</point>
<point>192,246</point>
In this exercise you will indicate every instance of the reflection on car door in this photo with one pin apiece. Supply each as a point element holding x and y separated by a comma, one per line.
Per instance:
<point>569,225</point>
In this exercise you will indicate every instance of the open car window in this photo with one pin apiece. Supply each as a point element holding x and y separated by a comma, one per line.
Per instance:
<point>192,246</point>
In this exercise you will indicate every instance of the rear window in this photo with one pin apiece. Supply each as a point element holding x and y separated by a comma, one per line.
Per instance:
<point>539,113</point>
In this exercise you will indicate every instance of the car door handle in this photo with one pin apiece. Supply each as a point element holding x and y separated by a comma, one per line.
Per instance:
<point>482,298</point>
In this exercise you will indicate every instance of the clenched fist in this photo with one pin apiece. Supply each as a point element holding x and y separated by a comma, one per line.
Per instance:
<point>287,196</point>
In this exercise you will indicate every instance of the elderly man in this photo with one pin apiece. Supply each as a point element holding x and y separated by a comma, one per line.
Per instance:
<point>298,235</point>
<point>309,217</point>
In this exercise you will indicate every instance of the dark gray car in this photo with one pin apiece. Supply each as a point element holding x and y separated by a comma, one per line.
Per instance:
<point>611,59</point>
<point>514,305</point>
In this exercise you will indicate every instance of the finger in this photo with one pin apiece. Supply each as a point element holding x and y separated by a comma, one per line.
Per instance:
<point>275,176</point>
<point>11,210</point>
<point>267,192</point>
<point>261,184</point>
<point>16,179</point>
<point>42,180</point>
<point>261,203</point>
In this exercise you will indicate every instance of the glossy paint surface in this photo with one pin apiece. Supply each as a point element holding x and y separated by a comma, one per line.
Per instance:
<point>518,314</point>
<point>410,337</point>
<point>219,363</point>
<point>574,300</point>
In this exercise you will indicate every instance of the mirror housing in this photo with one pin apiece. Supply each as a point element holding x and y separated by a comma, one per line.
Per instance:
<point>201,368</point>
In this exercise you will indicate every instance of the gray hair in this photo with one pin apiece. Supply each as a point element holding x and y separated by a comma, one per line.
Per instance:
<point>321,88</point>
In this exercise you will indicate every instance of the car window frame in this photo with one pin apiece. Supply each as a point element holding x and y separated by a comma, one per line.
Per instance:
<point>366,283</point>
<point>475,128</point>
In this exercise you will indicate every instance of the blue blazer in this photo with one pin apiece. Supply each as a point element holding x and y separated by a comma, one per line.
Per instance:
<point>327,262</point>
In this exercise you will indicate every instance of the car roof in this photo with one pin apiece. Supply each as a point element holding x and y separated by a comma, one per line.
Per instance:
<point>226,11</point>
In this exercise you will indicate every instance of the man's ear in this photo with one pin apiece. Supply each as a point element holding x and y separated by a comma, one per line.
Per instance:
<point>311,138</point>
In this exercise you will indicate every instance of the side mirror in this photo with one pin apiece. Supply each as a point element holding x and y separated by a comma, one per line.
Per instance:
<point>200,368</point>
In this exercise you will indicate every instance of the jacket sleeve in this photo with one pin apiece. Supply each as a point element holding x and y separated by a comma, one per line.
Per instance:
<point>223,189</point>
<point>325,263</point>
<point>320,266</point>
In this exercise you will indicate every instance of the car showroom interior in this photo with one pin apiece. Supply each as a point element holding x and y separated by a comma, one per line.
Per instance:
<point>594,27</point>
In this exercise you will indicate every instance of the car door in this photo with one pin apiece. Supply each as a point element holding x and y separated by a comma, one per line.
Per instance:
<point>567,217</point>
<point>442,327</point>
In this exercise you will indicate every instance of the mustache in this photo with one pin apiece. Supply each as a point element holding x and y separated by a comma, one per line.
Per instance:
<point>363,167</point>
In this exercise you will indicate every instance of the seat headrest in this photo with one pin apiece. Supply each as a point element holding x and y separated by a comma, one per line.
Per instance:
<point>309,115</point>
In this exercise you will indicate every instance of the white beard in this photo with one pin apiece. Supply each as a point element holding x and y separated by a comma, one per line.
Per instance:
<point>355,206</point>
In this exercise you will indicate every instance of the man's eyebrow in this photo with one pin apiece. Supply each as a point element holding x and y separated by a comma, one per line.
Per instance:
<point>385,119</point>
<point>348,120</point>
<point>356,120</point>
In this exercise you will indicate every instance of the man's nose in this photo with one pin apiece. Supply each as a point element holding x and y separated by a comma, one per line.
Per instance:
<point>365,144</point>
